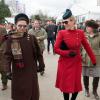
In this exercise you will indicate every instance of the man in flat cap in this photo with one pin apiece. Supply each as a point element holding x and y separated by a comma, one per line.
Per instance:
<point>23,52</point>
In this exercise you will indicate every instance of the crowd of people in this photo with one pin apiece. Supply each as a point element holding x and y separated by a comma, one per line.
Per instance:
<point>21,55</point>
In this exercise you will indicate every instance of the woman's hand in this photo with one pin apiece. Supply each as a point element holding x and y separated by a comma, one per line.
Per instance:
<point>72,53</point>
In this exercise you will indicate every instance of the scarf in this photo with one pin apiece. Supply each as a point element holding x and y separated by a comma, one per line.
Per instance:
<point>16,50</point>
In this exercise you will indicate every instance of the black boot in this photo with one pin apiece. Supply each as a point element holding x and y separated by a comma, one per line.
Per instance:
<point>86,85</point>
<point>4,87</point>
<point>74,95</point>
<point>66,96</point>
<point>95,86</point>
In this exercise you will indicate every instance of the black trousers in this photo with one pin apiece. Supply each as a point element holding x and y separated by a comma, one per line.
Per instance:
<point>94,83</point>
<point>50,40</point>
<point>4,78</point>
<point>66,96</point>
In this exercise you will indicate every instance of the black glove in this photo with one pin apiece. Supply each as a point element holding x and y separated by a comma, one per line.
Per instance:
<point>39,69</point>
<point>94,64</point>
<point>9,76</point>
<point>42,73</point>
<point>72,54</point>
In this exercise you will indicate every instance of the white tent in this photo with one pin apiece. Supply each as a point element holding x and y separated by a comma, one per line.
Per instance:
<point>78,9</point>
<point>84,9</point>
<point>84,12</point>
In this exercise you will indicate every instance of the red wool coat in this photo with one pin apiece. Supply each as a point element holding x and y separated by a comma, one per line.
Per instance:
<point>69,68</point>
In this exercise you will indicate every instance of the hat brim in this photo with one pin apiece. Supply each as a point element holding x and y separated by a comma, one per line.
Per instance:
<point>65,19</point>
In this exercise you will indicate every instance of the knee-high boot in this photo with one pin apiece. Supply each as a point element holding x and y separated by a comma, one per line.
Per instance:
<point>95,86</point>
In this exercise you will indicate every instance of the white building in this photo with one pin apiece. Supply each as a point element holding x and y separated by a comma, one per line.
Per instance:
<point>86,11</point>
<point>83,10</point>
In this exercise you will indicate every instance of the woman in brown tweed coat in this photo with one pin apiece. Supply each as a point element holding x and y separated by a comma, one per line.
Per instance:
<point>22,50</point>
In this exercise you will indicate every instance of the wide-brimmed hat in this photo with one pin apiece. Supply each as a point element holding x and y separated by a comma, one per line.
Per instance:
<point>92,24</point>
<point>21,16</point>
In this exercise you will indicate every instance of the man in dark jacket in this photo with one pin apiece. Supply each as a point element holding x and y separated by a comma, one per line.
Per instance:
<point>2,46</point>
<point>50,29</point>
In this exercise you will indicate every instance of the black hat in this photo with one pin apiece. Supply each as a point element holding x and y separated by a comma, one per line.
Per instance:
<point>92,24</point>
<point>37,17</point>
<point>21,16</point>
<point>67,14</point>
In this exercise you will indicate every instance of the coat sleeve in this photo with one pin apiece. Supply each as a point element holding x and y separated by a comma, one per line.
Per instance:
<point>57,45</point>
<point>39,55</point>
<point>31,32</point>
<point>88,49</point>
<point>44,36</point>
<point>7,57</point>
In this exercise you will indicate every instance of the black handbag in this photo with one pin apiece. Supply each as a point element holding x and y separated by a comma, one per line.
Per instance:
<point>64,46</point>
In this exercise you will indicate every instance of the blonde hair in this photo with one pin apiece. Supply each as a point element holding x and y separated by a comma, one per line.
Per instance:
<point>73,19</point>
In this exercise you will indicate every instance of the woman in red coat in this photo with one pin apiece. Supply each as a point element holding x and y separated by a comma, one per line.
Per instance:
<point>68,45</point>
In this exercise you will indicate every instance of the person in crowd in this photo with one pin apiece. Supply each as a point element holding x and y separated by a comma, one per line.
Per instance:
<point>50,29</point>
<point>98,22</point>
<point>9,27</point>
<point>39,33</point>
<point>81,26</point>
<point>55,30</point>
<point>2,46</point>
<point>22,50</point>
<point>60,26</point>
<point>88,68</point>
<point>30,24</point>
<point>67,45</point>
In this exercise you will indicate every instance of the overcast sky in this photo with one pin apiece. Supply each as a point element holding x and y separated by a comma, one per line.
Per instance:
<point>54,7</point>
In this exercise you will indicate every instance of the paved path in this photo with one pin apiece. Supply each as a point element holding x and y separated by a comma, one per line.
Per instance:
<point>47,83</point>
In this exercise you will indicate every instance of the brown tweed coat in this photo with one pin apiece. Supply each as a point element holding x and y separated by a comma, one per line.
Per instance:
<point>24,80</point>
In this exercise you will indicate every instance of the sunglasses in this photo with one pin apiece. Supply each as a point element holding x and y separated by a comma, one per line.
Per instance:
<point>20,26</point>
<point>66,22</point>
